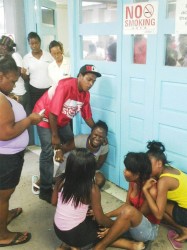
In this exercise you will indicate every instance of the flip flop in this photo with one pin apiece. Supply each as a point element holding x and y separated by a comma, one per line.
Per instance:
<point>16,212</point>
<point>171,237</point>
<point>17,240</point>
<point>35,178</point>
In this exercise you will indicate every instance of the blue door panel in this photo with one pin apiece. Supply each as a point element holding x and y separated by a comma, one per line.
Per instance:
<point>105,94</point>
<point>170,105</point>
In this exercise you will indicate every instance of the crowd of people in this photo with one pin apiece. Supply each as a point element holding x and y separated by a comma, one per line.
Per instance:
<point>157,190</point>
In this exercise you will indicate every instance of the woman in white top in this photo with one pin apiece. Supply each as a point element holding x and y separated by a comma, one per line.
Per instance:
<point>60,67</point>
<point>36,68</point>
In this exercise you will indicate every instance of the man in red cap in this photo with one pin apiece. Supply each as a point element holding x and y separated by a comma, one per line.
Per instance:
<point>61,103</point>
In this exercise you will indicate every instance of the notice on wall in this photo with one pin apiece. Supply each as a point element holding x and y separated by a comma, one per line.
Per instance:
<point>140,18</point>
<point>181,17</point>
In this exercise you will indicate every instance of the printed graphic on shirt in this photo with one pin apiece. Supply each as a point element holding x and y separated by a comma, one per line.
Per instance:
<point>71,108</point>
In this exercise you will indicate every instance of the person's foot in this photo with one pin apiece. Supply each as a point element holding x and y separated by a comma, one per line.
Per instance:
<point>18,238</point>
<point>35,184</point>
<point>182,236</point>
<point>46,195</point>
<point>138,246</point>
<point>13,213</point>
<point>63,246</point>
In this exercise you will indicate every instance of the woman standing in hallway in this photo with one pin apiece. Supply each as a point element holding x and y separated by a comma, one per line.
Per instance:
<point>60,67</point>
<point>36,68</point>
<point>13,141</point>
<point>171,202</point>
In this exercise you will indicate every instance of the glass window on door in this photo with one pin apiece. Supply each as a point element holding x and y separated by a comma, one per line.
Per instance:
<point>102,48</point>
<point>48,16</point>
<point>140,49</point>
<point>176,50</point>
<point>101,11</point>
<point>171,8</point>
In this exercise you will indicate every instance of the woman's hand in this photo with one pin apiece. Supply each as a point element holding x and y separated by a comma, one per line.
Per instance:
<point>35,118</point>
<point>90,212</point>
<point>149,184</point>
<point>103,232</point>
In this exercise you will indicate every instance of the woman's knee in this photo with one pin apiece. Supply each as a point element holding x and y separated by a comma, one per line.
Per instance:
<point>100,179</point>
<point>128,211</point>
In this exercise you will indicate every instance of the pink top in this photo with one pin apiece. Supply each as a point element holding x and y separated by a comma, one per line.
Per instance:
<point>65,101</point>
<point>20,142</point>
<point>67,216</point>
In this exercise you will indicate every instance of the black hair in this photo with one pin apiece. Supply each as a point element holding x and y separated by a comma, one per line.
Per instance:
<point>56,44</point>
<point>138,163</point>
<point>7,64</point>
<point>34,35</point>
<point>157,149</point>
<point>79,176</point>
<point>102,125</point>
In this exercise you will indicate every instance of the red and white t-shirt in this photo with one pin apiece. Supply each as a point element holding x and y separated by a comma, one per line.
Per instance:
<point>65,101</point>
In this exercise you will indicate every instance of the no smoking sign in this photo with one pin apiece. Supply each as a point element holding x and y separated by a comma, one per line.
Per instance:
<point>148,11</point>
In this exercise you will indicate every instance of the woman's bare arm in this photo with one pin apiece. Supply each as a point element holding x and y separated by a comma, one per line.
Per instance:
<point>100,217</point>
<point>10,129</point>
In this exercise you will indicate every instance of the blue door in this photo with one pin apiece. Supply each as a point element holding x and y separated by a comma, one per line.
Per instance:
<point>95,36</point>
<point>138,92</point>
<point>170,106</point>
<point>154,89</point>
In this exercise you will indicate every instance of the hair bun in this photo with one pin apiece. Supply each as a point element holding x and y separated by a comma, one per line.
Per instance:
<point>156,146</point>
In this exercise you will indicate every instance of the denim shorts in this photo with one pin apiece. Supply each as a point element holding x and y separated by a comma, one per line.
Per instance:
<point>10,170</point>
<point>144,231</point>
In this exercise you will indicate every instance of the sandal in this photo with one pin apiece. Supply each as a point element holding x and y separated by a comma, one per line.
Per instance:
<point>15,213</point>
<point>35,186</point>
<point>18,239</point>
<point>171,237</point>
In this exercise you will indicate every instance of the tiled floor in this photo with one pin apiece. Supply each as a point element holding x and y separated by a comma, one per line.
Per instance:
<point>37,216</point>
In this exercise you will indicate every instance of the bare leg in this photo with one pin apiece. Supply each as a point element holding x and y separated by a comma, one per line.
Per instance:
<point>5,235</point>
<point>64,246</point>
<point>117,211</point>
<point>169,220</point>
<point>129,217</point>
<point>128,244</point>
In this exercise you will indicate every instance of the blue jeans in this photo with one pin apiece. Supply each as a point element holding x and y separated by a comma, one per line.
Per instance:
<point>46,156</point>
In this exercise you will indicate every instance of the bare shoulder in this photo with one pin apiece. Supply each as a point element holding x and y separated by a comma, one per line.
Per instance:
<point>5,104</point>
<point>167,182</point>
